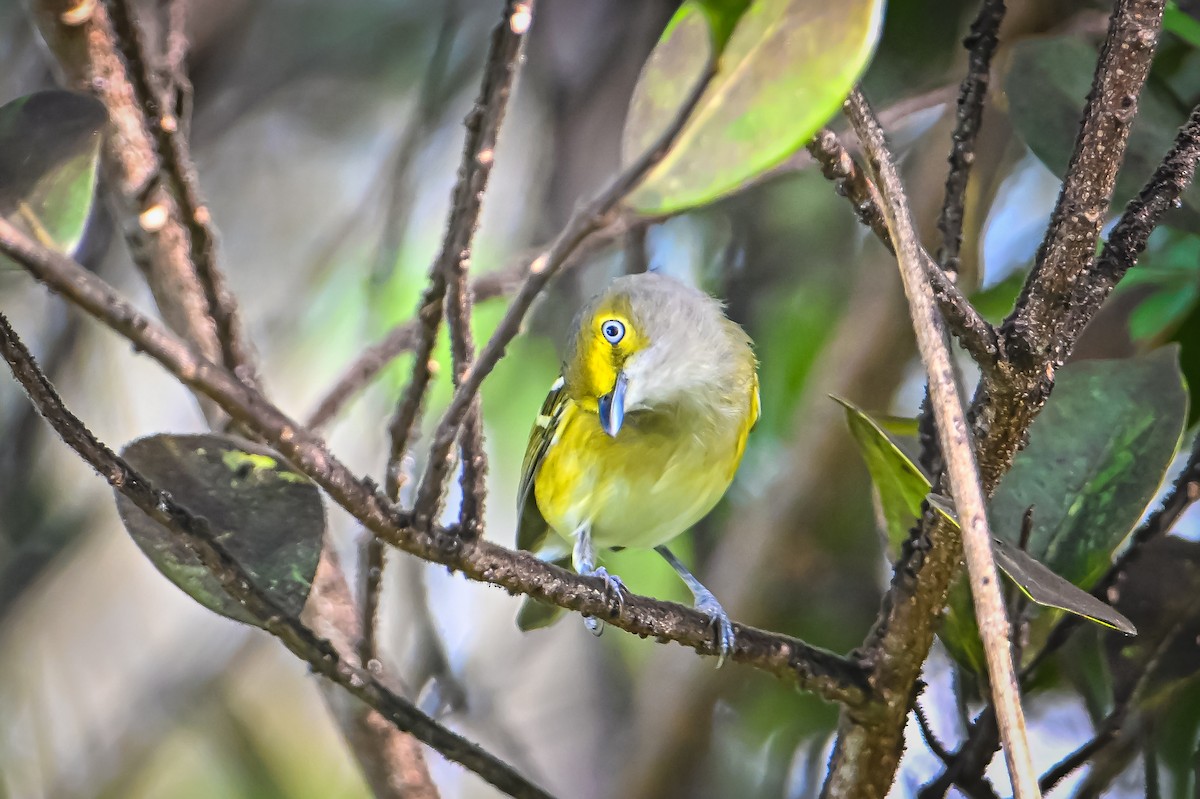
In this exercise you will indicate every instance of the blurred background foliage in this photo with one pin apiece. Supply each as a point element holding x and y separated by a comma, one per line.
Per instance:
<point>326,138</point>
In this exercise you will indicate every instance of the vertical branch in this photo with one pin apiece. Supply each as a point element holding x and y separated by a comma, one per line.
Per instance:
<point>179,175</point>
<point>1069,247</point>
<point>958,451</point>
<point>982,43</point>
<point>85,47</point>
<point>585,221</point>
<point>448,277</point>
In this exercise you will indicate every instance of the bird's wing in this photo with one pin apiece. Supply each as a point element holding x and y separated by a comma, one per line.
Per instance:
<point>532,528</point>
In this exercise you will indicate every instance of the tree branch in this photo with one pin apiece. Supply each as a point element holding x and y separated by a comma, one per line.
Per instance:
<point>479,155</point>
<point>583,223</point>
<point>195,533</point>
<point>1042,329</point>
<point>959,453</point>
<point>153,223</point>
<point>833,677</point>
<point>982,43</point>
<point>977,337</point>
<point>179,174</point>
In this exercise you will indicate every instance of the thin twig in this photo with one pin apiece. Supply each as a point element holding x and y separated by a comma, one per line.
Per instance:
<point>180,175</point>
<point>585,221</point>
<point>836,678</point>
<point>400,339</point>
<point>957,447</point>
<point>981,43</point>
<point>1062,293</point>
<point>199,538</point>
<point>931,739</point>
<point>975,334</point>
<point>482,125</point>
<point>479,155</point>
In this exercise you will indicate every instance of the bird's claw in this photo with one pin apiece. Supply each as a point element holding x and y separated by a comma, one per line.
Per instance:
<point>719,621</point>
<point>614,591</point>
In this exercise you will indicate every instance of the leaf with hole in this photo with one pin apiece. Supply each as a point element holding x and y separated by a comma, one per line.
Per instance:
<point>49,152</point>
<point>785,70</point>
<point>269,517</point>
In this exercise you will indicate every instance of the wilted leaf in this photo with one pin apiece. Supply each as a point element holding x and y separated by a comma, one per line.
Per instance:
<point>49,150</point>
<point>269,517</point>
<point>1039,583</point>
<point>1047,83</point>
<point>786,69</point>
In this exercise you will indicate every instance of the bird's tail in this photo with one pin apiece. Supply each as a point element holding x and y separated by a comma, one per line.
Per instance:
<point>534,613</point>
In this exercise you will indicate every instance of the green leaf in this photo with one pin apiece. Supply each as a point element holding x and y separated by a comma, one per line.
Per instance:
<point>1039,583</point>
<point>49,151</point>
<point>996,301</point>
<point>901,484</point>
<point>722,16</point>
<point>1047,83</point>
<point>903,488</point>
<point>268,516</point>
<point>1182,24</point>
<point>1096,457</point>
<point>785,71</point>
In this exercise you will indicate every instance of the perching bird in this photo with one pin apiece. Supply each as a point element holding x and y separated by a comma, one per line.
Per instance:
<point>641,434</point>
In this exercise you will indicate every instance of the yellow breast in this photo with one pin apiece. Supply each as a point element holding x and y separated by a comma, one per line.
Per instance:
<point>658,477</point>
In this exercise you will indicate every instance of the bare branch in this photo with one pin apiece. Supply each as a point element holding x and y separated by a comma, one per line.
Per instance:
<point>833,677</point>
<point>958,450</point>
<point>1043,327</point>
<point>982,43</point>
<point>195,533</point>
<point>479,155</point>
<point>973,331</point>
<point>583,223</point>
<point>152,220</point>
<point>180,176</point>
<point>447,278</point>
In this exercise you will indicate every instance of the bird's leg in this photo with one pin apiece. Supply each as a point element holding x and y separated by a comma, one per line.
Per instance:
<point>706,603</point>
<point>583,558</point>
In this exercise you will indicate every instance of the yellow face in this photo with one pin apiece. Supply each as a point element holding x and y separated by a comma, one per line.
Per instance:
<point>605,342</point>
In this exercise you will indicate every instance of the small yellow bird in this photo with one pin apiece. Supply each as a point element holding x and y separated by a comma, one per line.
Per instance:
<point>641,434</point>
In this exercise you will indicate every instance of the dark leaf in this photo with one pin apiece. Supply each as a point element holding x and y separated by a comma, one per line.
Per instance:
<point>49,151</point>
<point>269,517</point>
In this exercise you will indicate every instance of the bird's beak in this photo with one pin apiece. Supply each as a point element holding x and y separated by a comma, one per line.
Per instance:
<point>612,406</point>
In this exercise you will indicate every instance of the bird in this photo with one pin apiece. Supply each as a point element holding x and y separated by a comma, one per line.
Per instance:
<point>639,437</point>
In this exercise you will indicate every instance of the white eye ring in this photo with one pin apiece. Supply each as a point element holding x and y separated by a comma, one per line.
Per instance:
<point>613,331</point>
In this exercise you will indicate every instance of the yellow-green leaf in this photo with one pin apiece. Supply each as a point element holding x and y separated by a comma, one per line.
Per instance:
<point>785,70</point>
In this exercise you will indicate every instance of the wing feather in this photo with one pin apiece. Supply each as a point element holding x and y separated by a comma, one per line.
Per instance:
<point>532,528</point>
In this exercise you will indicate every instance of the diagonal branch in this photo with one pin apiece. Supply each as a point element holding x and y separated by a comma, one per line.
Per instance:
<point>836,678</point>
<point>959,453</point>
<point>199,538</point>
<point>982,43</point>
<point>977,337</point>
<point>583,223</point>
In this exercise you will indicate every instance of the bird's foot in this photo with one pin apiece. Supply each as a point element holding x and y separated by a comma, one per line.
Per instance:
<point>707,604</point>
<point>614,590</point>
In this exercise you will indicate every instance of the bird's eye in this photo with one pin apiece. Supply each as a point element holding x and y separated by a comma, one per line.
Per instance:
<point>613,331</point>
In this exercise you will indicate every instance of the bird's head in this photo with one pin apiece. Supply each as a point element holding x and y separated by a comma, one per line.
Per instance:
<point>650,341</point>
